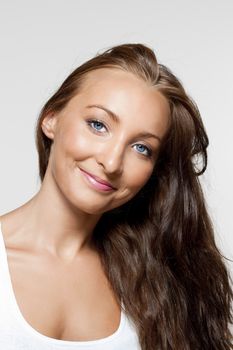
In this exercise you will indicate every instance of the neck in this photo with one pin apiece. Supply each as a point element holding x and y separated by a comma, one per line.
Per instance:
<point>51,224</point>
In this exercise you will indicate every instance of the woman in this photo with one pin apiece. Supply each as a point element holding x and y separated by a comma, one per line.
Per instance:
<point>117,248</point>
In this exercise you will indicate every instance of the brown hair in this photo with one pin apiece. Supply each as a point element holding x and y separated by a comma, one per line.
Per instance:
<point>158,249</point>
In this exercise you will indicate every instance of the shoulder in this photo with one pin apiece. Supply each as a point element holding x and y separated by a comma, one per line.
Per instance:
<point>11,220</point>
<point>9,225</point>
<point>5,220</point>
<point>15,219</point>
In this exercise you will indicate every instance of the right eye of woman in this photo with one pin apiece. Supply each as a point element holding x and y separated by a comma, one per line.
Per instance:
<point>96,125</point>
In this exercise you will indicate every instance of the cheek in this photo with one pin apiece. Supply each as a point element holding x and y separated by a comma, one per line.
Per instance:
<point>135,180</point>
<point>76,143</point>
<point>143,177</point>
<point>138,169</point>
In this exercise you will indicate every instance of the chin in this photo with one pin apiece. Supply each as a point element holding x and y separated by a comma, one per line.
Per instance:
<point>90,209</point>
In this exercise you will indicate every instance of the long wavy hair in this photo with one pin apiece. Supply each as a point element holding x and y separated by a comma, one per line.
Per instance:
<point>158,250</point>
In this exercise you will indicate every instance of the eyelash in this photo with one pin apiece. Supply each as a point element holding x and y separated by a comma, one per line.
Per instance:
<point>89,122</point>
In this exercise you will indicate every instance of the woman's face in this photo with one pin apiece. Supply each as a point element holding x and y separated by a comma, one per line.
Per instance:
<point>105,130</point>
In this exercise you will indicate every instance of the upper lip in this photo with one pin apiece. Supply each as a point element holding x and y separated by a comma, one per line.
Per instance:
<point>99,179</point>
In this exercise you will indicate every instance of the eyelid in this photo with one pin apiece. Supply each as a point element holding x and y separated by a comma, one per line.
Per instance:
<point>149,150</point>
<point>91,120</point>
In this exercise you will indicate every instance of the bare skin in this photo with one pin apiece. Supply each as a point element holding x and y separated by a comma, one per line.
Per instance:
<point>58,280</point>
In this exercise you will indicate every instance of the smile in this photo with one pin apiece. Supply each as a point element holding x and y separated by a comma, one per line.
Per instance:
<point>95,183</point>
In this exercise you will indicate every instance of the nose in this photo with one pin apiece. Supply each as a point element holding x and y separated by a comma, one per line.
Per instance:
<point>110,157</point>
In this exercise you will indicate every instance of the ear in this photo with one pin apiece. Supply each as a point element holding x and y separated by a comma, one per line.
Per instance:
<point>49,125</point>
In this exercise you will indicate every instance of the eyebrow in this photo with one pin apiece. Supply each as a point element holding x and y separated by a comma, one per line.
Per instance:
<point>116,119</point>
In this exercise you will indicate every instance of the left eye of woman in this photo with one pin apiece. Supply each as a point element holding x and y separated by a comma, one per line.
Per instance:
<point>144,148</point>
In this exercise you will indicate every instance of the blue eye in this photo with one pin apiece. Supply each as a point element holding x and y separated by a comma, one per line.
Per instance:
<point>142,148</point>
<point>96,125</point>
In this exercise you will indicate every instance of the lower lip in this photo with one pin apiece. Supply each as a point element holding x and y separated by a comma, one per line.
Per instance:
<point>97,185</point>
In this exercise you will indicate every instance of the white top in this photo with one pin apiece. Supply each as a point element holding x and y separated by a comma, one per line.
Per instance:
<point>17,334</point>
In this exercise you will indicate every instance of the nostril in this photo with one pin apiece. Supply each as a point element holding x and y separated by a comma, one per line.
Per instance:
<point>112,169</point>
<point>110,163</point>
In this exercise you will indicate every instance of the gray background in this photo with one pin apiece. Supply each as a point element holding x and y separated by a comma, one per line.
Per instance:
<point>43,41</point>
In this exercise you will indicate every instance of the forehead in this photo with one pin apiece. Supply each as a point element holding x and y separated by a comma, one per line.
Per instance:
<point>118,82</point>
<point>127,95</point>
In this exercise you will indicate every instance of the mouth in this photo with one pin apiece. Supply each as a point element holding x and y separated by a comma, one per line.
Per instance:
<point>97,182</point>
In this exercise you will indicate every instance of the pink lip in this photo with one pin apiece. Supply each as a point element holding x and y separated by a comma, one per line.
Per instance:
<point>97,182</point>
